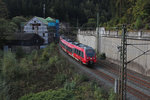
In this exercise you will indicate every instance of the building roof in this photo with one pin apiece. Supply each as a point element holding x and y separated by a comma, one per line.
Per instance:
<point>49,19</point>
<point>42,20</point>
<point>26,36</point>
<point>24,39</point>
<point>46,21</point>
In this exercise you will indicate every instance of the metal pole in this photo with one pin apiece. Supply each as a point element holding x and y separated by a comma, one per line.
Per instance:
<point>97,32</point>
<point>123,57</point>
<point>44,9</point>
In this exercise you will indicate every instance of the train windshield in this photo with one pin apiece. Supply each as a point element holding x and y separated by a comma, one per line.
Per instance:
<point>90,52</point>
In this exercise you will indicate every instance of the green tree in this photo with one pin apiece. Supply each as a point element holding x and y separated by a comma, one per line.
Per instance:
<point>3,31</point>
<point>3,10</point>
<point>138,24</point>
<point>18,20</point>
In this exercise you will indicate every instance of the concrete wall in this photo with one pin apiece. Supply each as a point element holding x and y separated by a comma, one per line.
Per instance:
<point>109,44</point>
<point>88,40</point>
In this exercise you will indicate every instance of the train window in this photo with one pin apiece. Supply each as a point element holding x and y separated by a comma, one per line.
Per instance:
<point>73,50</point>
<point>79,53</point>
<point>76,51</point>
<point>82,55</point>
<point>90,52</point>
<point>70,50</point>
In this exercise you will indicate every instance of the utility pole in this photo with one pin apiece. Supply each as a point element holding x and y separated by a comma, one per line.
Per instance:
<point>97,32</point>
<point>123,70</point>
<point>77,23</point>
<point>44,9</point>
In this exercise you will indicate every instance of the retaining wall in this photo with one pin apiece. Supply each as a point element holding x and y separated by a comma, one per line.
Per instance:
<point>108,45</point>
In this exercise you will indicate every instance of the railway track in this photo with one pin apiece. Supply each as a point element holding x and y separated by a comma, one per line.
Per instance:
<point>142,83</point>
<point>137,80</point>
<point>102,76</point>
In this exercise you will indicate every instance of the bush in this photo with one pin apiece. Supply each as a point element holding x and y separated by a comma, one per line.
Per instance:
<point>10,66</point>
<point>112,95</point>
<point>53,60</point>
<point>11,74</point>
<point>70,85</point>
<point>59,79</point>
<point>20,53</point>
<point>98,94</point>
<point>138,23</point>
<point>83,78</point>
<point>101,56</point>
<point>147,26</point>
<point>60,94</point>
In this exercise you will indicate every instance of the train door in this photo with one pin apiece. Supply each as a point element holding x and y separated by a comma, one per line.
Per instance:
<point>73,50</point>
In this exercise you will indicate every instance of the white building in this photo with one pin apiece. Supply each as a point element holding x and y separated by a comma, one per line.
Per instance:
<point>39,26</point>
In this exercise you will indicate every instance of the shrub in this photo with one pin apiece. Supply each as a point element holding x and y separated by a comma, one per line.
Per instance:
<point>138,23</point>
<point>70,85</point>
<point>53,60</point>
<point>24,64</point>
<point>20,52</point>
<point>112,95</point>
<point>59,79</point>
<point>45,56</point>
<point>98,94</point>
<point>10,66</point>
<point>83,78</point>
<point>101,56</point>
<point>147,26</point>
<point>60,94</point>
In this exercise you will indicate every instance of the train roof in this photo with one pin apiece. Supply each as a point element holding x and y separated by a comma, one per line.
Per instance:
<point>76,43</point>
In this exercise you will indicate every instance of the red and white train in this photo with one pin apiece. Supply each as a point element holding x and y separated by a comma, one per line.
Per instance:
<point>80,52</point>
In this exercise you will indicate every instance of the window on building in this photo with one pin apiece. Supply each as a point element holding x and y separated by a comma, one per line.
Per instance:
<point>43,34</point>
<point>32,27</point>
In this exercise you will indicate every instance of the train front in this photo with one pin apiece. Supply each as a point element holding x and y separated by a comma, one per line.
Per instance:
<point>90,56</point>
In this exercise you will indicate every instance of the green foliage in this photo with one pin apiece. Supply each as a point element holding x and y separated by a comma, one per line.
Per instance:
<point>10,66</point>
<point>6,27</point>
<point>147,26</point>
<point>45,56</point>
<point>60,78</point>
<point>13,27</point>
<point>27,74</point>
<point>3,26</point>
<point>20,52</point>
<point>80,78</point>
<point>70,85</point>
<point>91,22</point>
<point>112,95</point>
<point>101,56</point>
<point>27,67</point>
<point>11,73</point>
<point>18,20</point>
<point>138,24</point>
<point>82,11</point>
<point>98,94</point>
<point>53,60</point>
<point>3,10</point>
<point>60,94</point>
